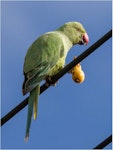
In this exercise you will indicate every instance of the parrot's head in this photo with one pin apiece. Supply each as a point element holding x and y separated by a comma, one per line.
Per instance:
<point>75,32</point>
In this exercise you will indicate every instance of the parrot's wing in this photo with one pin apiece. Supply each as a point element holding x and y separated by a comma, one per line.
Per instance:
<point>43,54</point>
<point>33,78</point>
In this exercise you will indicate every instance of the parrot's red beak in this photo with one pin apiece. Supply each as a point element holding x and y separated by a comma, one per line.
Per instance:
<point>85,39</point>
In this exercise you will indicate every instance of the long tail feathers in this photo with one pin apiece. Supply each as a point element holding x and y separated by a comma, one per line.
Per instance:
<point>36,101</point>
<point>32,102</point>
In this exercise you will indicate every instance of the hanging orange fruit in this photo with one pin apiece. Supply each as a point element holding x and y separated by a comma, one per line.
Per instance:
<point>78,74</point>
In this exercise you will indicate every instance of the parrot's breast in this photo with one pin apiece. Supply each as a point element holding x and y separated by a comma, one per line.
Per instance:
<point>59,65</point>
<point>61,62</point>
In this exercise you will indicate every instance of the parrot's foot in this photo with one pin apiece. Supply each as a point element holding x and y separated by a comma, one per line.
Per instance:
<point>49,81</point>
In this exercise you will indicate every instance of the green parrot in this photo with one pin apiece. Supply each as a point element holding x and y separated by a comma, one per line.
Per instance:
<point>45,58</point>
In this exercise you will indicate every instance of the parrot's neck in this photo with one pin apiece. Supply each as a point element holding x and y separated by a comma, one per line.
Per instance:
<point>72,35</point>
<point>66,41</point>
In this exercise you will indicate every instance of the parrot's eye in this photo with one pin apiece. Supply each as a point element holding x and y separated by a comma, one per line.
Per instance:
<point>78,29</point>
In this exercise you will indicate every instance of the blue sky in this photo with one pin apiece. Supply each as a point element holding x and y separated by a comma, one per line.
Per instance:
<point>71,115</point>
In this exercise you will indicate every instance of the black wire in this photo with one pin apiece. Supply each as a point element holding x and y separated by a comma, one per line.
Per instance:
<point>104,143</point>
<point>59,75</point>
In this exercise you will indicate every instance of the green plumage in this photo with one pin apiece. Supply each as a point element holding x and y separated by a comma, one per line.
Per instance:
<point>45,57</point>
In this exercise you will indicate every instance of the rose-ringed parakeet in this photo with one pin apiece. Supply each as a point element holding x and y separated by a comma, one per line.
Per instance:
<point>46,57</point>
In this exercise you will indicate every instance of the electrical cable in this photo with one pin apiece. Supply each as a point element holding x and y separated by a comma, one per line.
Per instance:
<point>104,143</point>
